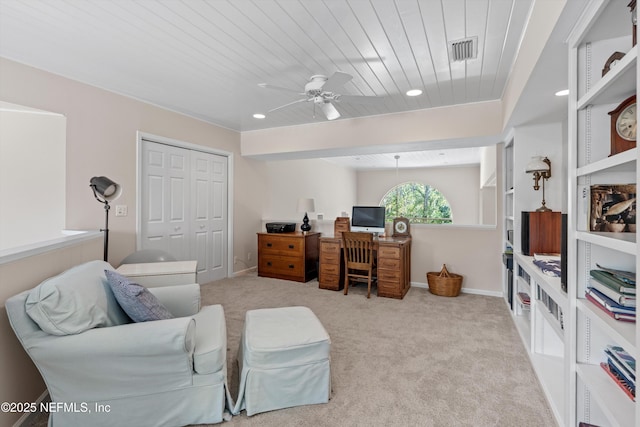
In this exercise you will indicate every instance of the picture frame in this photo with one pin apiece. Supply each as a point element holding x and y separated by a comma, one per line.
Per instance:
<point>613,208</point>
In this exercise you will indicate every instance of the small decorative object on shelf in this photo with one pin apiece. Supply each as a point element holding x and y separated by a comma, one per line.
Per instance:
<point>623,126</point>
<point>400,227</point>
<point>611,62</point>
<point>443,283</point>
<point>613,208</point>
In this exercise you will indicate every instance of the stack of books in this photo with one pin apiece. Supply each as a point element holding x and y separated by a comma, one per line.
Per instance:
<point>621,367</point>
<point>613,291</point>
<point>525,301</point>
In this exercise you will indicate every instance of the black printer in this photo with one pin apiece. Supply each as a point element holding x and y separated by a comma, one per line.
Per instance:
<point>281,227</point>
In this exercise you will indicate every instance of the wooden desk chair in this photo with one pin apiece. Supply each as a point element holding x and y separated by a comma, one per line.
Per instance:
<point>359,260</point>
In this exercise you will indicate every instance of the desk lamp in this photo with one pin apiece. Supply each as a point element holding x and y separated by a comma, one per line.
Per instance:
<point>306,205</point>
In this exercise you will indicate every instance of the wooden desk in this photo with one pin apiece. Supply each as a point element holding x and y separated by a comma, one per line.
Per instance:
<point>289,256</point>
<point>394,265</point>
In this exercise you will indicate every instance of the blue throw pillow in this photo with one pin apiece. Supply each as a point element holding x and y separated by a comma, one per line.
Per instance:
<point>136,300</point>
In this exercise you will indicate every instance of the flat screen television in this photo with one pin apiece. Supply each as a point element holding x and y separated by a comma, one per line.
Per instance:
<point>368,218</point>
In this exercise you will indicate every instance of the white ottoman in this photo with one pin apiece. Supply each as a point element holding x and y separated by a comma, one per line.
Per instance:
<point>283,360</point>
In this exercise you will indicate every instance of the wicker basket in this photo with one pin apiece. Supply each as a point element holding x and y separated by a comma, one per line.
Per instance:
<point>444,283</point>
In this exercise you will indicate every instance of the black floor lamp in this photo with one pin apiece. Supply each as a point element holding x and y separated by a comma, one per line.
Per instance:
<point>105,191</point>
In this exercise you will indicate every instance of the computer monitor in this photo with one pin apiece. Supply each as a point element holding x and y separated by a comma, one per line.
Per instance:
<point>368,219</point>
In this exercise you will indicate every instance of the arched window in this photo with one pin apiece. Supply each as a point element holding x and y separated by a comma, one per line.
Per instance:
<point>421,203</point>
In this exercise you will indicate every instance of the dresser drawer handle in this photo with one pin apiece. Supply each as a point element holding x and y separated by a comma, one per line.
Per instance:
<point>291,266</point>
<point>291,246</point>
<point>269,263</point>
<point>269,245</point>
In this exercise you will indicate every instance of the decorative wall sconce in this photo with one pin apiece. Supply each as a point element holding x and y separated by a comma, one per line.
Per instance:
<point>540,167</point>
<point>306,205</point>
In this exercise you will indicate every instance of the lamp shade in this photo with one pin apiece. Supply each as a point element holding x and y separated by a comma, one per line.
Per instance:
<point>306,205</point>
<point>106,188</point>
<point>537,164</point>
<point>330,111</point>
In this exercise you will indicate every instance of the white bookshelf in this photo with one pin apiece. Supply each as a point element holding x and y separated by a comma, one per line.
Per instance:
<point>542,329</point>
<point>604,28</point>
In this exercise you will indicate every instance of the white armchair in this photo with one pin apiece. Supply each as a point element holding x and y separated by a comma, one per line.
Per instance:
<point>160,373</point>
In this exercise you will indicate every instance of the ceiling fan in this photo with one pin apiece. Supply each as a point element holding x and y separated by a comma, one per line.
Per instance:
<point>320,90</point>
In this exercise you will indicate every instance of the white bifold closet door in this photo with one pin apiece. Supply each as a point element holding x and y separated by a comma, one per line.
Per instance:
<point>184,206</point>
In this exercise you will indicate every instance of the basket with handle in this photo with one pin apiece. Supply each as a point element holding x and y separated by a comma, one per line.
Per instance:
<point>444,283</point>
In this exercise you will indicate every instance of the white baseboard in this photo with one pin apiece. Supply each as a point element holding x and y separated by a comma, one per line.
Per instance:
<point>243,272</point>
<point>28,415</point>
<point>464,290</point>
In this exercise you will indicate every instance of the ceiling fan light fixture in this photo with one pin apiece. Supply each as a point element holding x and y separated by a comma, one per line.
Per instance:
<point>414,92</point>
<point>330,111</point>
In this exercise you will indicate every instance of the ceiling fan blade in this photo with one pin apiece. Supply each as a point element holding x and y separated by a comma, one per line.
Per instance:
<point>336,81</point>
<point>268,86</point>
<point>356,99</point>
<point>297,101</point>
<point>330,111</point>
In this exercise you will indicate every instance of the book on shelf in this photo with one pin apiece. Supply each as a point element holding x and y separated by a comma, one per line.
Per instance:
<point>622,299</point>
<point>626,276</point>
<point>524,298</point>
<point>613,282</point>
<point>626,360</point>
<point>610,304</point>
<point>617,316</point>
<point>616,368</point>
<point>621,382</point>
<point>546,256</point>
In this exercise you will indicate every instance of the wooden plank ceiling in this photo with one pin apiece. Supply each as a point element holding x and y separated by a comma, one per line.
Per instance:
<point>205,58</point>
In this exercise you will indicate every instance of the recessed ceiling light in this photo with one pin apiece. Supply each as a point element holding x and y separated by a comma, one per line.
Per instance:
<point>259,116</point>
<point>564,92</point>
<point>414,92</point>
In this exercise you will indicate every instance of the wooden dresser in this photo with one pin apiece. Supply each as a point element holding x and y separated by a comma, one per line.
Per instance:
<point>289,256</point>
<point>394,265</point>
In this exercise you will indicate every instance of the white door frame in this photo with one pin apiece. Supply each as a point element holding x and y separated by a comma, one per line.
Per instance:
<point>189,146</point>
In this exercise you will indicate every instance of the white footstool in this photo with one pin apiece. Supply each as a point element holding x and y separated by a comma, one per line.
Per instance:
<point>283,360</point>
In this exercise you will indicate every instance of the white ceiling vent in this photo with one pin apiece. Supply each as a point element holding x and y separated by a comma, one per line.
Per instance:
<point>464,49</point>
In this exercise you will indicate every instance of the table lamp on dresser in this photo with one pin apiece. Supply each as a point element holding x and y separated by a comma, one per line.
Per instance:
<point>306,205</point>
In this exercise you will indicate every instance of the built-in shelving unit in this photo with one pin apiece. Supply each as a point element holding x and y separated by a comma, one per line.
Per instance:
<point>508,218</point>
<point>604,28</point>
<point>536,301</point>
<point>543,331</point>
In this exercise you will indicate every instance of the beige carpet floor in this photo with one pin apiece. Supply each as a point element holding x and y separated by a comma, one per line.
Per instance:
<point>421,361</point>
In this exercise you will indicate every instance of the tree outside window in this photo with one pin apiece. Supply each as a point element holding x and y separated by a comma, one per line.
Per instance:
<point>421,203</point>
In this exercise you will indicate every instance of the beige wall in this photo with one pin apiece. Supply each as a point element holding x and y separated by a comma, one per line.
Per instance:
<point>21,381</point>
<point>32,146</point>
<point>460,186</point>
<point>333,188</point>
<point>393,132</point>
<point>101,140</point>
